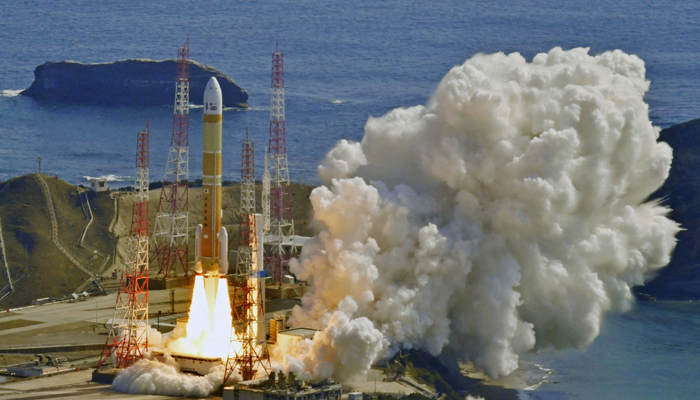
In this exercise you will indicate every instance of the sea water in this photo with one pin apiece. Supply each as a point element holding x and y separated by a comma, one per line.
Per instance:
<point>651,352</point>
<point>344,62</point>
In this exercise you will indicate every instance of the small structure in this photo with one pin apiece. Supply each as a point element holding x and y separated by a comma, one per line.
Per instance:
<point>280,388</point>
<point>98,184</point>
<point>279,337</point>
<point>355,396</point>
<point>43,366</point>
<point>286,338</point>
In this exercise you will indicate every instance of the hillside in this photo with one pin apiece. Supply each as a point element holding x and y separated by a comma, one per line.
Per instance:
<point>680,280</point>
<point>39,269</point>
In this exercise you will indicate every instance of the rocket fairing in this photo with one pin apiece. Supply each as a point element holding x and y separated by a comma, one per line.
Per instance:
<point>209,252</point>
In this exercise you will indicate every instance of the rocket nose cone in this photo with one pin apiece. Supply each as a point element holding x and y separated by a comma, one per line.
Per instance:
<point>212,97</point>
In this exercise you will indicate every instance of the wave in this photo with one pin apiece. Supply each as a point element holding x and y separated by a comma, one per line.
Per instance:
<point>338,101</point>
<point>247,109</point>
<point>11,93</point>
<point>546,371</point>
<point>110,178</point>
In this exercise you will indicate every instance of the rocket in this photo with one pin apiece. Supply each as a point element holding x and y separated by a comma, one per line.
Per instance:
<point>210,310</point>
<point>211,239</point>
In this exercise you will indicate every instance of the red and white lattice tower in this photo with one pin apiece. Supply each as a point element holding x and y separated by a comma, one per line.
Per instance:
<point>281,237</point>
<point>266,195</point>
<point>128,339</point>
<point>170,237</point>
<point>248,300</point>
<point>247,206</point>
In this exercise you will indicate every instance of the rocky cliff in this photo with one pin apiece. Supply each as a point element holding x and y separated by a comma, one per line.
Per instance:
<point>137,82</point>
<point>681,191</point>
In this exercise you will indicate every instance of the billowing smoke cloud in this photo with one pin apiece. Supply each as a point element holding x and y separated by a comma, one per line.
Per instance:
<point>507,214</point>
<point>151,376</point>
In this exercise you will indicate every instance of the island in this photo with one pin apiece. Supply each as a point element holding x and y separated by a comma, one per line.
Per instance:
<point>133,82</point>
<point>680,280</point>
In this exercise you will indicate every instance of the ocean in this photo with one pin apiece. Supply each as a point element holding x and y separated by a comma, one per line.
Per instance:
<point>345,62</point>
<point>650,352</point>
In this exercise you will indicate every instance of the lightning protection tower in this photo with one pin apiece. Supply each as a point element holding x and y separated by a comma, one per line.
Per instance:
<point>248,304</point>
<point>281,237</point>
<point>172,221</point>
<point>266,195</point>
<point>247,206</point>
<point>128,339</point>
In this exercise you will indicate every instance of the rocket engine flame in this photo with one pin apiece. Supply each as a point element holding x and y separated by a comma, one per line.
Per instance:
<point>506,215</point>
<point>220,337</point>
<point>198,322</point>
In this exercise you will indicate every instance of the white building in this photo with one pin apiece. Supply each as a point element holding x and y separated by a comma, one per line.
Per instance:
<point>98,184</point>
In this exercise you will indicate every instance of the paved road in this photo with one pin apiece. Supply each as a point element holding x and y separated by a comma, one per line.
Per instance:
<point>81,322</point>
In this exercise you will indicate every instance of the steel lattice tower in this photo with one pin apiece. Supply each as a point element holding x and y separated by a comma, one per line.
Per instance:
<point>249,309</point>
<point>281,237</point>
<point>248,302</point>
<point>266,195</point>
<point>128,339</point>
<point>247,206</point>
<point>172,221</point>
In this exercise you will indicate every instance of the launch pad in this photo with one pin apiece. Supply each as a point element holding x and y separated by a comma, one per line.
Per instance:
<point>200,365</point>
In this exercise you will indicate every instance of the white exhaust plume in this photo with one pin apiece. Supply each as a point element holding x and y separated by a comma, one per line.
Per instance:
<point>506,215</point>
<point>149,376</point>
<point>153,377</point>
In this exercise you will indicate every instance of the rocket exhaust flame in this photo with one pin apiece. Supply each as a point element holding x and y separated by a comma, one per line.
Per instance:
<point>199,321</point>
<point>217,345</point>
